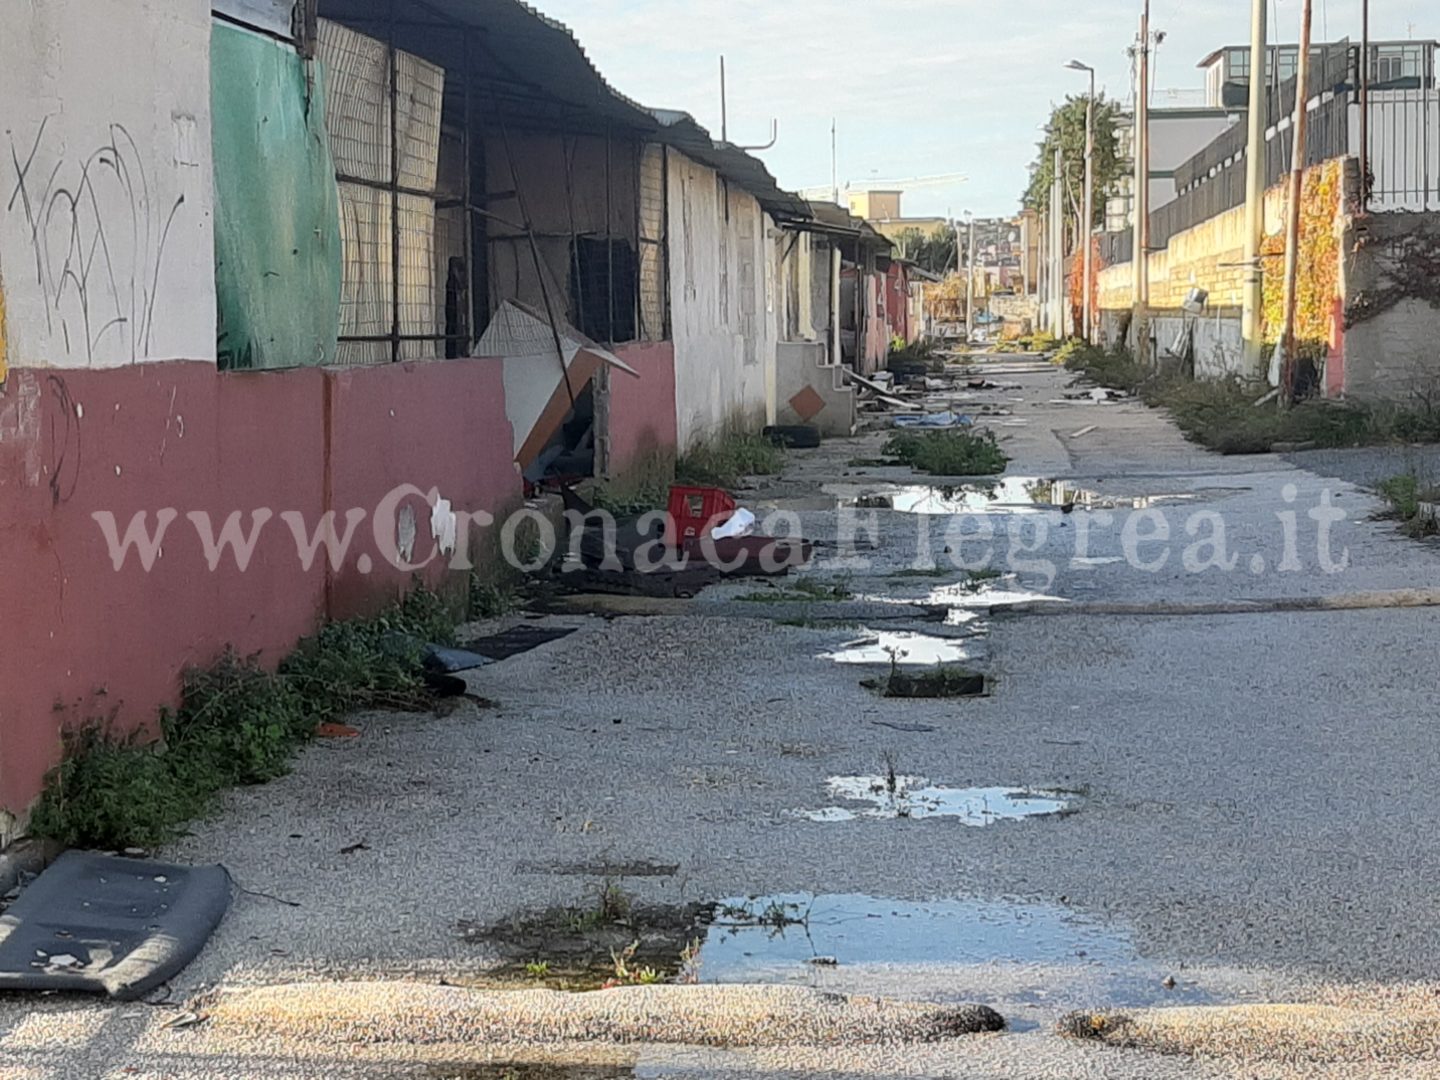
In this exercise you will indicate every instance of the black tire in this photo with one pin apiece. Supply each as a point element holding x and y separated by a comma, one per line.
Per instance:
<point>794,436</point>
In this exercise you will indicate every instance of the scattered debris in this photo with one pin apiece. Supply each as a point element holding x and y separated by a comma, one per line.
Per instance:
<point>516,640</point>
<point>1083,431</point>
<point>914,729</point>
<point>331,730</point>
<point>935,420</point>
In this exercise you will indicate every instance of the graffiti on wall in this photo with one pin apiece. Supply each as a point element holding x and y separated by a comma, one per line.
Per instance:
<point>97,229</point>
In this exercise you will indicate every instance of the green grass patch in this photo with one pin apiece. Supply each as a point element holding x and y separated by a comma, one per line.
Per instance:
<point>804,590</point>
<point>726,461</point>
<point>940,681</point>
<point>237,724</point>
<point>1222,414</point>
<point>949,452</point>
<point>1407,496</point>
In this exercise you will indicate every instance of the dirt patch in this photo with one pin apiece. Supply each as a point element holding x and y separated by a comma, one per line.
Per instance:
<point>611,943</point>
<point>943,681</point>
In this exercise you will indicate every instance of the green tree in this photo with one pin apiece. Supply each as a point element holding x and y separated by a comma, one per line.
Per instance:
<point>935,253</point>
<point>1067,130</point>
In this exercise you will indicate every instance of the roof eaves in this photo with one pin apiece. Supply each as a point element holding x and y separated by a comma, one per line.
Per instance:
<point>684,133</point>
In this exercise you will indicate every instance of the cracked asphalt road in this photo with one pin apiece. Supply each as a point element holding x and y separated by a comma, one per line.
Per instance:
<point>1253,818</point>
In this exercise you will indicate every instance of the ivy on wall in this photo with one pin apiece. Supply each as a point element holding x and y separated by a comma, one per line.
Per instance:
<point>1318,281</point>
<point>1411,272</point>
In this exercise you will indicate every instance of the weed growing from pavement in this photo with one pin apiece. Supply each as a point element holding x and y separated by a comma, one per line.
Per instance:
<point>1407,498</point>
<point>237,724</point>
<point>726,461</point>
<point>802,590</point>
<point>538,969</point>
<point>949,452</point>
<point>938,681</point>
<point>492,599</point>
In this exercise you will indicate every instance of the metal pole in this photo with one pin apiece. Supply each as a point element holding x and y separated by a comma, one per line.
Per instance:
<point>1292,209</point>
<point>724,110</point>
<point>1256,174</point>
<point>609,247</point>
<point>394,189</point>
<point>1042,269</point>
<point>1365,105</point>
<point>1142,195</point>
<point>970,286</point>
<point>1057,246</point>
<point>468,216</point>
<point>1087,331</point>
<point>834,165</point>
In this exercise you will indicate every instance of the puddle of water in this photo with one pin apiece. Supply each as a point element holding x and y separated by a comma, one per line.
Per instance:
<point>1007,494</point>
<point>1003,495</point>
<point>969,595</point>
<point>904,647</point>
<point>752,934</point>
<point>1033,955</point>
<point>915,797</point>
<point>1059,493</point>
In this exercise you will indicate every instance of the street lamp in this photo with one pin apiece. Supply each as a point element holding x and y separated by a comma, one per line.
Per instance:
<point>1089,223</point>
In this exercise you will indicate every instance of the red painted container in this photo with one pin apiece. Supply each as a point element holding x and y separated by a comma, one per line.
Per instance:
<point>694,511</point>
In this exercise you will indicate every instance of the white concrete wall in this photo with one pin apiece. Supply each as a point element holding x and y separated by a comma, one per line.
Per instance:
<point>106,254</point>
<point>724,308</point>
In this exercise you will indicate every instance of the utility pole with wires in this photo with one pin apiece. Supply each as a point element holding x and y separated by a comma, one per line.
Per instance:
<point>1141,255</point>
<point>970,281</point>
<point>1253,296</point>
<point>1292,210</point>
<point>1087,222</point>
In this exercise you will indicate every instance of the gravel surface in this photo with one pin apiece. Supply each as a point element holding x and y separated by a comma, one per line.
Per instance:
<point>1252,793</point>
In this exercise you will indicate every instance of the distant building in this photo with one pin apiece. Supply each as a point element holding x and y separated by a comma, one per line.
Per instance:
<point>882,210</point>
<point>1394,65</point>
<point>873,206</point>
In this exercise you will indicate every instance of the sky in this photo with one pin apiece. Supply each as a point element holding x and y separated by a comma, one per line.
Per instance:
<point>919,88</point>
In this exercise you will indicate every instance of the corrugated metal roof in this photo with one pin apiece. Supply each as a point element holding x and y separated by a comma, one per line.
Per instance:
<point>684,133</point>
<point>520,44</point>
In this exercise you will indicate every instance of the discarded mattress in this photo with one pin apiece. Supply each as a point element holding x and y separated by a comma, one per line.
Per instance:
<point>107,925</point>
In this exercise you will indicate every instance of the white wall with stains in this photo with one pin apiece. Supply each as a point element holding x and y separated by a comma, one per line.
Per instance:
<point>724,312</point>
<point>106,254</point>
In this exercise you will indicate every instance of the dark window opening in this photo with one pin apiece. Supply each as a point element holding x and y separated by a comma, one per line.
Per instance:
<point>603,283</point>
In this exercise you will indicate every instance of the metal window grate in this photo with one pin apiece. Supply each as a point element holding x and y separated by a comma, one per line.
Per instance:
<point>386,194</point>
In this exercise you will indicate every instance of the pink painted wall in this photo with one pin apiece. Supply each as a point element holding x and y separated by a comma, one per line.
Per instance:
<point>642,411</point>
<point>897,297</point>
<point>432,424</point>
<point>81,641</point>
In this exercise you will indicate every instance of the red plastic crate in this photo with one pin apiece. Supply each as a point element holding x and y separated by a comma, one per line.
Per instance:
<point>694,511</point>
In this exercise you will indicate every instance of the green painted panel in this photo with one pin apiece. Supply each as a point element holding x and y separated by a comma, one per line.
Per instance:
<point>277,208</point>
